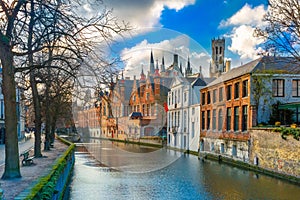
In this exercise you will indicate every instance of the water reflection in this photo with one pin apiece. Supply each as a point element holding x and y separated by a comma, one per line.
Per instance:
<point>129,157</point>
<point>185,178</point>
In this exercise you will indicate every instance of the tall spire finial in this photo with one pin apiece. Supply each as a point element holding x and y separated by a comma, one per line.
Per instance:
<point>142,70</point>
<point>143,77</point>
<point>151,63</point>
<point>156,69</point>
<point>122,78</point>
<point>180,67</point>
<point>189,70</point>
<point>163,64</point>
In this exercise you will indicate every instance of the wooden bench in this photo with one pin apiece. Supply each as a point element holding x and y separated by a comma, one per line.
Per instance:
<point>26,159</point>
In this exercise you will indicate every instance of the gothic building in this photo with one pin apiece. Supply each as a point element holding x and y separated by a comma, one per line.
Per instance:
<point>149,99</point>
<point>137,108</point>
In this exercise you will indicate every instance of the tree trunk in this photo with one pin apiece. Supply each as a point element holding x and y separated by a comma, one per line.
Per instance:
<point>53,128</point>
<point>37,116</point>
<point>12,164</point>
<point>33,85</point>
<point>47,116</point>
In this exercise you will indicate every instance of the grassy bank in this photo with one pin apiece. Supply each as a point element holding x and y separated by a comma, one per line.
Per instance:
<point>50,185</point>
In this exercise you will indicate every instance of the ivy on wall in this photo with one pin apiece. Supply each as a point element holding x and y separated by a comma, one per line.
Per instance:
<point>286,131</point>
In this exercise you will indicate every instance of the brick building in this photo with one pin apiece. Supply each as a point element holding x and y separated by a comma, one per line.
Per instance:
<point>149,98</point>
<point>229,106</point>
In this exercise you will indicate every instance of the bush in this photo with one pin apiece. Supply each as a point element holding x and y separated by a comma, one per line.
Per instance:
<point>295,132</point>
<point>277,123</point>
<point>293,125</point>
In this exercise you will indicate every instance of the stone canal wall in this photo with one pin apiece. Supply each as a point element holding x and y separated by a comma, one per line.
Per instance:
<point>226,148</point>
<point>53,185</point>
<point>265,152</point>
<point>269,151</point>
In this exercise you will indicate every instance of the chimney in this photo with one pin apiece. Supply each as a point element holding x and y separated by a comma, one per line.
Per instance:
<point>175,60</point>
<point>228,65</point>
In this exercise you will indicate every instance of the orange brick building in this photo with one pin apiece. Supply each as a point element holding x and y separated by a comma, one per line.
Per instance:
<point>149,97</point>
<point>228,109</point>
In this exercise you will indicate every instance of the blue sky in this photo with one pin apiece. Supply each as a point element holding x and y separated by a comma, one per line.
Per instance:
<point>187,27</point>
<point>201,21</point>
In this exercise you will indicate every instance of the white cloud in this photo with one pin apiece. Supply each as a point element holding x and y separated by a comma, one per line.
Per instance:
<point>246,16</point>
<point>144,13</point>
<point>139,55</point>
<point>198,55</point>
<point>242,25</point>
<point>177,5</point>
<point>243,42</point>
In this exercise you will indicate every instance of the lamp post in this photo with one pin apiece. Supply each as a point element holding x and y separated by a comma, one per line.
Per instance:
<point>175,131</point>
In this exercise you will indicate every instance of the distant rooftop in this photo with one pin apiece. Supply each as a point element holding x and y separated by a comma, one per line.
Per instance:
<point>266,64</point>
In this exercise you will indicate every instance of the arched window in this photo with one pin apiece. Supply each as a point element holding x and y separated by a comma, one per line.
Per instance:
<point>178,118</point>
<point>220,50</point>
<point>216,50</point>
<point>228,124</point>
<point>175,119</point>
<point>184,121</point>
<point>214,119</point>
<point>208,120</point>
<point>220,120</point>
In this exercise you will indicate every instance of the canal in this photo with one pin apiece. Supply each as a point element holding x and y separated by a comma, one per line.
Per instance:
<point>124,171</point>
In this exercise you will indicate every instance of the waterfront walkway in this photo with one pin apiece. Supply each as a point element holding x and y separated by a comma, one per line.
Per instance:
<point>41,167</point>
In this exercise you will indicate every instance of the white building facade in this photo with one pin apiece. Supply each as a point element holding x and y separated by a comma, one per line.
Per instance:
<point>183,130</point>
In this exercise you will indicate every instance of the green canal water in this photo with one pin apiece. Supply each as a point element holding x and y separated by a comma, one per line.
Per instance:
<point>124,171</point>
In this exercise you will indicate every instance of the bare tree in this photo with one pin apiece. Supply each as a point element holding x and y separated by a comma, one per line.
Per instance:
<point>9,13</point>
<point>282,30</point>
<point>25,28</point>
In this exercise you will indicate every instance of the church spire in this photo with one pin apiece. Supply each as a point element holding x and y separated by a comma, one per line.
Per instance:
<point>143,77</point>
<point>181,68</point>
<point>122,78</point>
<point>156,69</point>
<point>189,70</point>
<point>200,72</point>
<point>151,64</point>
<point>163,69</point>
<point>189,64</point>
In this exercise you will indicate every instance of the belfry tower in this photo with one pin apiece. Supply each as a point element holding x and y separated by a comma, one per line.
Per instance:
<point>217,65</point>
